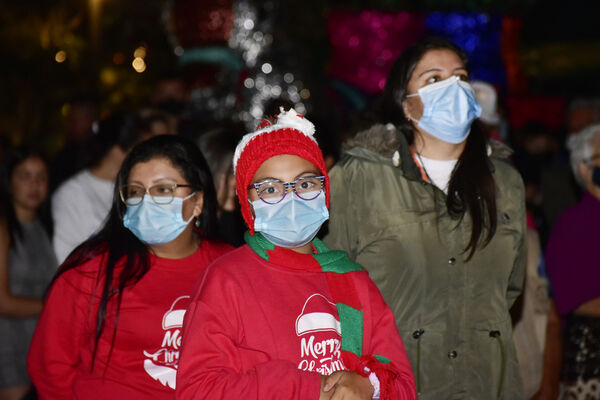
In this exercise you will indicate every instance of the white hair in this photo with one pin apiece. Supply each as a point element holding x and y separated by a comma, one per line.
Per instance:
<point>581,146</point>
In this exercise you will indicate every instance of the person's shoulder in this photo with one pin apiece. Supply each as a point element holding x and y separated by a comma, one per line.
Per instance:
<point>363,282</point>
<point>506,173</point>
<point>232,267</point>
<point>571,218</point>
<point>72,185</point>
<point>376,144</point>
<point>234,261</point>
<point>83,277</point>
<point>381,139</point>
<point>235,256</point>
<point>500,155</point>
<point>215,248</point>
<point>505,169</point>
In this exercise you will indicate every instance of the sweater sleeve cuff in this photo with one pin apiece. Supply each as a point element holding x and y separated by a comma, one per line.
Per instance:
<point>375,383</point>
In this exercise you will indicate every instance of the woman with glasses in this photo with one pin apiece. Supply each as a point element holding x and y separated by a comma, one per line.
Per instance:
<point>284,317</point>
<point>436,214</point>
<point>111,324</point>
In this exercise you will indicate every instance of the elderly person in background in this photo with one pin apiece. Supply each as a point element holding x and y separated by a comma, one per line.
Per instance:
<point>574,270</point>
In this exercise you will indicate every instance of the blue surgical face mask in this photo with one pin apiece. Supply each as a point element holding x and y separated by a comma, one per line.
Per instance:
<point>449,109</point>
<point>291,223</point>
<point>156,224</point>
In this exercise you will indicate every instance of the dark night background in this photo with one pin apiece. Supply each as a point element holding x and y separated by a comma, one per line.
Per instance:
<point>558,53</point>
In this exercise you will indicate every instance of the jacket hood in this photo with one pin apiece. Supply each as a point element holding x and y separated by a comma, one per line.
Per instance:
<point>379,138</point>
<point>386,142</point>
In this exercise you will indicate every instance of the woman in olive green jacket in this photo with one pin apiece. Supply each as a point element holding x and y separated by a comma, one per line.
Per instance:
<point>437,216</point>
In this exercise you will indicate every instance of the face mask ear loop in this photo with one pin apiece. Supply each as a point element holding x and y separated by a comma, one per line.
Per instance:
<point>189,196</point>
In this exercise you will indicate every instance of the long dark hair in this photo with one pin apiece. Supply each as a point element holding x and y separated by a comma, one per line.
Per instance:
<point>12,159</point>
<point>471,188</point>
<point>117,245</point>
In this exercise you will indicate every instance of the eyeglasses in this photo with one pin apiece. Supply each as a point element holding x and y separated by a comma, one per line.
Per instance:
<point>161,193</point>
<point>272,191</point>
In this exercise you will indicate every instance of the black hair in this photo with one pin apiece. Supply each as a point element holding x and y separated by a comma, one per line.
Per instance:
<point>12,159</point>
<point>471,188</point>
<point>218,146</point>
<point>117,244</point>
<point>122,129</point>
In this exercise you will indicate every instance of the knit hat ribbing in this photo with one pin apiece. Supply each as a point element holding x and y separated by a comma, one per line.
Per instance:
<point>290,134</point>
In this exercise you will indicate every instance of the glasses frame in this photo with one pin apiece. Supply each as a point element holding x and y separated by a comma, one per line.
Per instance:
<point>174,187</point>
<point>286,187</point>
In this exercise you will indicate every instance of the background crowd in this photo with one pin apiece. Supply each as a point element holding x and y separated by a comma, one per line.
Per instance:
<point>208,74</point>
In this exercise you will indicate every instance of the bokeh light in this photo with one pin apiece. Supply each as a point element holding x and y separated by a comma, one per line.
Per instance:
<point>60,56</point>
<point>139,65</point>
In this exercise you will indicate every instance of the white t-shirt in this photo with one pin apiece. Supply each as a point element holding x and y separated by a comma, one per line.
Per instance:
<point>438,171</point>
<point>79,207</point>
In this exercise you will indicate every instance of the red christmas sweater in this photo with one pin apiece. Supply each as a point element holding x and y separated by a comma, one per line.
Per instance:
<point>258,329</point>
<point>144,358</point>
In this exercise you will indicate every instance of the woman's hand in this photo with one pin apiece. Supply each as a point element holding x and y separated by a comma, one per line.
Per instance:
<point>346,385</point>
<point>326,395</point>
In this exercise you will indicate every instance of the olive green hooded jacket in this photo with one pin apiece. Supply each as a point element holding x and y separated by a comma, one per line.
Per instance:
<point>453,316</point>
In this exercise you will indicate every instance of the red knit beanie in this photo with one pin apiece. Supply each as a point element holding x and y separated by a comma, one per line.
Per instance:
<point>290,134</point>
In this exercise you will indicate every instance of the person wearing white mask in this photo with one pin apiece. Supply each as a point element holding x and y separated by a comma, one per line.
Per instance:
<point>111,323</point>
<point>494,125</point>
<point>436,214</point>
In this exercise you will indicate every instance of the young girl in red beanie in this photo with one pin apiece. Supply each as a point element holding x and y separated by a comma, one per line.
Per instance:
<point>284,317</point>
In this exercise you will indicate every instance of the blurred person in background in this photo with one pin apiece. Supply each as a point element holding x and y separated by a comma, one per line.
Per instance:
<point>82,112</point>
<point>530,314</point>
<point>171,97</point>
<point>111,324</point>
<point>4,145</point>
<point>574,270</point>
<point>531,310</point>
<point>582,112</point>
<point>159,122</point>
<point>80,204</point>
<point>487,98</point>
<point>217,146</point>
<point>170,94</point>
<point>27,263</point>
<point>550,188</point>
